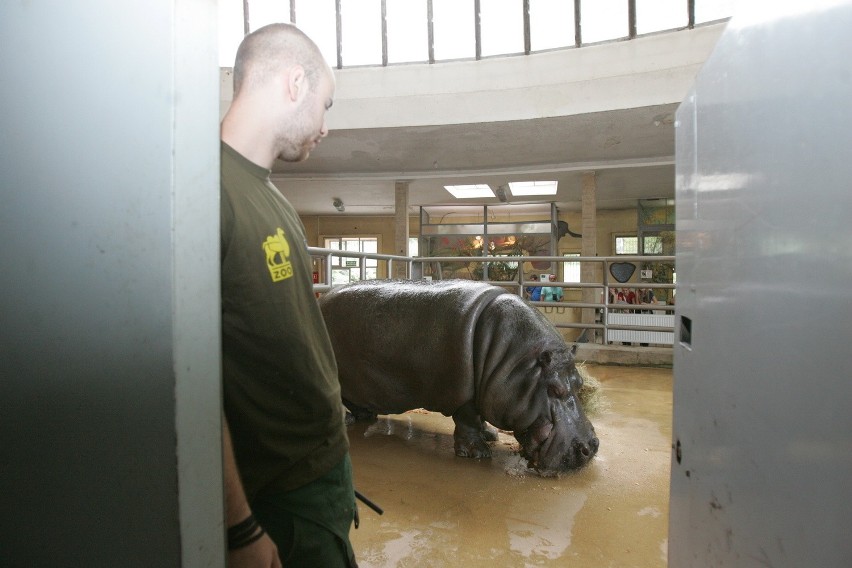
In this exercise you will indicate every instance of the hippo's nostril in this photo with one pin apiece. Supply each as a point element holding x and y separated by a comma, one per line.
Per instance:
<point>585,450</point>
<point>582,448</point>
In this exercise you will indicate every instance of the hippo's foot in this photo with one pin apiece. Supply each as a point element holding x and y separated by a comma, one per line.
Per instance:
<point>472,433</point>
<point>356,413</point>
<point>471,447</point>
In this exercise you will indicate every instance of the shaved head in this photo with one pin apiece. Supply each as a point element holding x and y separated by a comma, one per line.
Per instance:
<point>283,88</point>
<point>272,49</point>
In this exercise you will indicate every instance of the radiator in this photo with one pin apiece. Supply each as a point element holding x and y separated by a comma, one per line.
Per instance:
<point>630,336</point>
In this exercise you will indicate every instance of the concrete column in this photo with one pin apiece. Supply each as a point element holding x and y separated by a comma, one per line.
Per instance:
<point>590,272</point>
<point>401,226</point>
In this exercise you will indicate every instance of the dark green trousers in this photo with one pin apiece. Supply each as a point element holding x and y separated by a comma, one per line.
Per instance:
<point>310,525</point>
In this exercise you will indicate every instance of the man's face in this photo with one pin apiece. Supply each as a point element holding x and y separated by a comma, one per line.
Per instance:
<point>307,128</point>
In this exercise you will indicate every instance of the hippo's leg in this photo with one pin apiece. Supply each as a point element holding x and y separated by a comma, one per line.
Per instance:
<point>469,434</point>
<point>357,413</point>
<point>489,432</point>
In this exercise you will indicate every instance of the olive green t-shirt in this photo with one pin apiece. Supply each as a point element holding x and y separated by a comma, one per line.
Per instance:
<point>281,392</point>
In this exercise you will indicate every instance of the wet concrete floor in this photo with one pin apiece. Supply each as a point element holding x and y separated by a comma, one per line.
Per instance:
<point>445,511</point>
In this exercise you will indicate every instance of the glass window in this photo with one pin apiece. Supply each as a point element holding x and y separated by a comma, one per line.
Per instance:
<point>263,12</point>
<point>453,25</point>
<point>658,242</point>
<point>551,24</point>
<point>571,270</point>
<point>657,15</point>
<point>348,269</point>
<point>413,246</point>
<point>627,245</point>
<point>603,19</point>
<point>502,27</point>
<point>652,245</point>
<point>499,271</point>
<point>710,10</point>
<point>361,24</point>
<point>408,37</point>
<point>318,19</point>
<point>230,30</point>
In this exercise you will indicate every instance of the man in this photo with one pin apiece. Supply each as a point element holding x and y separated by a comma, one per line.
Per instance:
<point>288,477</point>
<point>534,291</point>
<point>551,293</point>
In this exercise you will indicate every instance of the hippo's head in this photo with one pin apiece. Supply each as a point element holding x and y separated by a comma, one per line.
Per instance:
<point>556,436</point>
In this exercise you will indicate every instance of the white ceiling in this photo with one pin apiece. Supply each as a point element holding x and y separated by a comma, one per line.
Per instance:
<point>609,109</point>
<point>631,151</point>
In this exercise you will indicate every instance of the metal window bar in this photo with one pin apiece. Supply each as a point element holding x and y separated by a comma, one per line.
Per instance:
<point>384,33</point>
<point>578,34</point>
<point>578,27</point>
<point>430,30</point>
<point>631,19</point>
<point>477,28</point>
<point>339,34</point>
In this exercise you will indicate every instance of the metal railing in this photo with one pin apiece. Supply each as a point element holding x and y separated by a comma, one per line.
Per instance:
<point>417,267</point>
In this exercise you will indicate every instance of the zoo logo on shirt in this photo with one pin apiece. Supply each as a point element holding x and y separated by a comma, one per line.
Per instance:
<point>277,253</point>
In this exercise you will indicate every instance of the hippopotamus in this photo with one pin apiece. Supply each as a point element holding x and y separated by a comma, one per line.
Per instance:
<point>469,350</point>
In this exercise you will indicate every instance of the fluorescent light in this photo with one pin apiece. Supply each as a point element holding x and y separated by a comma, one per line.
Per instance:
<point>470,191</point>
<point>533,187</point>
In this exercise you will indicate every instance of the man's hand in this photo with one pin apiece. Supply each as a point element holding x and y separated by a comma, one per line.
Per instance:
<point>262,553</point>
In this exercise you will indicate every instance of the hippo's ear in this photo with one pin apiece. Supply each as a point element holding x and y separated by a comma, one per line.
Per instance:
<point>573,349</point>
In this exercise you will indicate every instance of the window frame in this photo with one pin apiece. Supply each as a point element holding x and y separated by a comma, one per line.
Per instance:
<point>354,271</point>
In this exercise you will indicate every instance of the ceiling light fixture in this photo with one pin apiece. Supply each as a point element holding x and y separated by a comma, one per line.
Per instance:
<point>533,187</point>
<point>469,191</point>
<point>338,204</point>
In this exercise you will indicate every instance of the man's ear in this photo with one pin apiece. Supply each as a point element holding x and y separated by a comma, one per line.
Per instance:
<point>297,83</point>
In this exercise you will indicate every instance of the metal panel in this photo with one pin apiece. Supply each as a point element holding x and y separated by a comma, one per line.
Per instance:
<point>762,396</point>
<point>109,345</point>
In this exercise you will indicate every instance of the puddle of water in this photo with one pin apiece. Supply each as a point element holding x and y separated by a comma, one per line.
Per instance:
<point>443,511</point>
<point>541,524</point>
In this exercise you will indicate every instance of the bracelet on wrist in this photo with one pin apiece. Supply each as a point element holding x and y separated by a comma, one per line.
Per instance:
<point>244,533</point>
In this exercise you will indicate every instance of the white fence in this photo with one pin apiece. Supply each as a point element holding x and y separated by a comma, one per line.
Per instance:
<point>642,337</point>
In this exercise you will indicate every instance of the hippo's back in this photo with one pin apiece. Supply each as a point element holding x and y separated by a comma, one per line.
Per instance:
<point>406,344</point>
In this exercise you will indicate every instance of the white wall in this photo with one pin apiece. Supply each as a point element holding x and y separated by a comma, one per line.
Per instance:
<point>656,69</point>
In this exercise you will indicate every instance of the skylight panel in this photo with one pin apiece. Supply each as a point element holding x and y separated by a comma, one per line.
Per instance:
<point>470,191</point>
<point>519,188</point>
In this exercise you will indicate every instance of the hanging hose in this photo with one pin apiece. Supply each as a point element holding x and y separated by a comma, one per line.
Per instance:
<point>369,503</point>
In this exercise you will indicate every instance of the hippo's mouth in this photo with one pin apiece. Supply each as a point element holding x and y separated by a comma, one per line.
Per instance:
<point>548,454</point>
<point>535,442</point>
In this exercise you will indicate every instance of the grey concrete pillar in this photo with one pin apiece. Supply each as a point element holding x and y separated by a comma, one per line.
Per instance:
<point>401,226</point>
<point>589,272</point>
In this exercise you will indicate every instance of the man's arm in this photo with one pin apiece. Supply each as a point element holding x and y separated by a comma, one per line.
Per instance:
<point>262,553</point>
